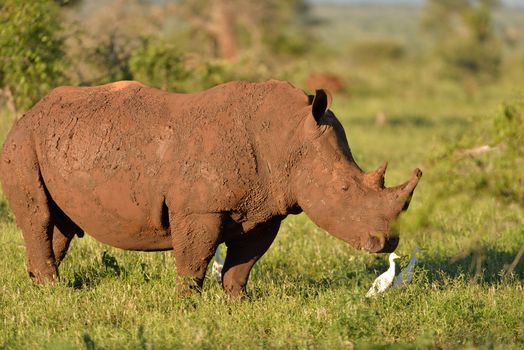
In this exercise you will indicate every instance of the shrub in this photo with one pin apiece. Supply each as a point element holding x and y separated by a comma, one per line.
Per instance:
<point>31,49</point>
<point>376,50</point>
<point>487,160</point>
<point>159,64</point>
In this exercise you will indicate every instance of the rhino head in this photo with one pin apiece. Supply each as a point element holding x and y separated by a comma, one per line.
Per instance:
<point>336,194</point>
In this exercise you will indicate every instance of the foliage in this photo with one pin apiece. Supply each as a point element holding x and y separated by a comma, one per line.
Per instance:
<point>104,40</point>
<point>465,38</point>
<point>465,59</point>
<point>31,49</point>
<point>287,27</point>
<point>376,49</point>
<point>228,28</point>
<point>485,160</point>
<point>112,58</point>
<point>158,63</point>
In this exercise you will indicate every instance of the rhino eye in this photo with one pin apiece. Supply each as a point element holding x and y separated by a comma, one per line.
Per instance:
<point>344,187</point>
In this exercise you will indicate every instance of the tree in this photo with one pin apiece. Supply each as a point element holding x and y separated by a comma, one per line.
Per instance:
<point>108,35</point>
<point>234,24</point>
<point>31,51</point>
<point>464,36</point>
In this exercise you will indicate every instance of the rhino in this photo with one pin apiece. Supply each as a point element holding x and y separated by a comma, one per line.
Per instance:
<point>143,169</point>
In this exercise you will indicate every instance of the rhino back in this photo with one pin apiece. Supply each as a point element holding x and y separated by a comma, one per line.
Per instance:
<point>118,153</point>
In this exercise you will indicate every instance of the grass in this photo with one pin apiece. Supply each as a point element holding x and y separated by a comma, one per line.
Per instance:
<point>308,291</point>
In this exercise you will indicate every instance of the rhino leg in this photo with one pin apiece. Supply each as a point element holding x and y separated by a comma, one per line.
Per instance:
<point>26,192</point>
<point>63,233</point>
<point>243,253</point>
<point>195,239</point>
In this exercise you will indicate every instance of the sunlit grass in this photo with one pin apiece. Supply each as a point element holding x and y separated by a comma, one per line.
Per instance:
<point>308,290</point>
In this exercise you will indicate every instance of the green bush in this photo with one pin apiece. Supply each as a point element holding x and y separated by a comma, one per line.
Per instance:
<point>465,39</point>
<point>487,160</point>
<point>376,50</point>
<point>31,49</point>
<point>159,64</point>
<point>465,58</point>
<point>111,57</point>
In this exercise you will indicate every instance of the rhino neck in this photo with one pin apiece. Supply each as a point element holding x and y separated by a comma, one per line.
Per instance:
<point>274,175</point>
<point>274,131</point>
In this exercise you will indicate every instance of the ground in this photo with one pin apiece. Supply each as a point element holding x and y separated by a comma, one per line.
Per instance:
<point>308,291</point>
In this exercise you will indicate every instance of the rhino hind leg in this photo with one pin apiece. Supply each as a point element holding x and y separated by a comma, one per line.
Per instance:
<point>23,186</point>
<point>195,239</point>
<point>63,232</point>
<point>243,253</point>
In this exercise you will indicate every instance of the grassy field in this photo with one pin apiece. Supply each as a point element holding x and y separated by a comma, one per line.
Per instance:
<point>308,290</point>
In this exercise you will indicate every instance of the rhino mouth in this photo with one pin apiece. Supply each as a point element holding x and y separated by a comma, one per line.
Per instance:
<point>381,244</point>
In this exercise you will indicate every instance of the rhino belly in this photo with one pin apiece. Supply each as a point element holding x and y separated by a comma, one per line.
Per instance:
<point>119,210</point>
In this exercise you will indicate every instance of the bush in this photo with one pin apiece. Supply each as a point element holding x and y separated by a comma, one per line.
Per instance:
<point>31,49</point>
<point>377,50</point>
<point>159,64</point>
<point>466,40</point>
<point>464,58</point>
<point>487,160</point>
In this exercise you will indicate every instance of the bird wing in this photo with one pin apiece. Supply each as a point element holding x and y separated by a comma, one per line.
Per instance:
<point>398,280</point>
<point>405,276</point>
<point>218,259</point>
<point>380,284</point>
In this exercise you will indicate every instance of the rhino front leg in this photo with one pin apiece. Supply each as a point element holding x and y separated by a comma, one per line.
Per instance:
<point>195,239</point>
<point>243,253</point>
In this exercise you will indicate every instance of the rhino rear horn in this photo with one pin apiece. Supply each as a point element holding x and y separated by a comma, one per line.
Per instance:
<point>376,178</point>
<point>320,104</point>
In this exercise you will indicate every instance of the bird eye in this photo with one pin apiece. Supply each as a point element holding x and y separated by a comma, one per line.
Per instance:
<point>344,187</point>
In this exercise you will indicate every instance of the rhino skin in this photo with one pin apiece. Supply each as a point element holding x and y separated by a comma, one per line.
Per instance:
<point>143,169</point>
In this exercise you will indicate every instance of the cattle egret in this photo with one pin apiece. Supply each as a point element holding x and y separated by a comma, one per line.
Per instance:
<point>218,264</point>
<point>384,281</point>
<point>406,275</point>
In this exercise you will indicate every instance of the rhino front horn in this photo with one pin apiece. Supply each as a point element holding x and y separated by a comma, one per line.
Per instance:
<point>413,181</point>
<point>405,191</point>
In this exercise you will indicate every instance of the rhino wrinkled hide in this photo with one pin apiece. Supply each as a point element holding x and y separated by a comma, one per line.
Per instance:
<point>143,169</point>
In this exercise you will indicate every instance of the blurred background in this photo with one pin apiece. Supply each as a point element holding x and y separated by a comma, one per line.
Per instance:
<point>407,49</point>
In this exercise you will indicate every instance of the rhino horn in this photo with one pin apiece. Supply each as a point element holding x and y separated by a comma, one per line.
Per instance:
<point>402,194</point>
<point>375,178</point>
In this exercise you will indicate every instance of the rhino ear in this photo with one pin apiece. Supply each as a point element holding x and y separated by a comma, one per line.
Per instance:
<point>320,104</point>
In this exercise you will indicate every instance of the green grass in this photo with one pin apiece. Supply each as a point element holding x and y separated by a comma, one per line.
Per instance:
<point>308,291</point>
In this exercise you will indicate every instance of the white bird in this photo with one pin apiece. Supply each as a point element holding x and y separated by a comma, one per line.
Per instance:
<point>405,276</point>
<point>384,281</point>
<point>218,264</point>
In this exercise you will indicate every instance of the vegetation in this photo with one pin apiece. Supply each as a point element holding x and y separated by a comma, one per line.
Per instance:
<point>308,291</point>
<point>159,64</point>
<point>465,39</point>
<point>31,51</point>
